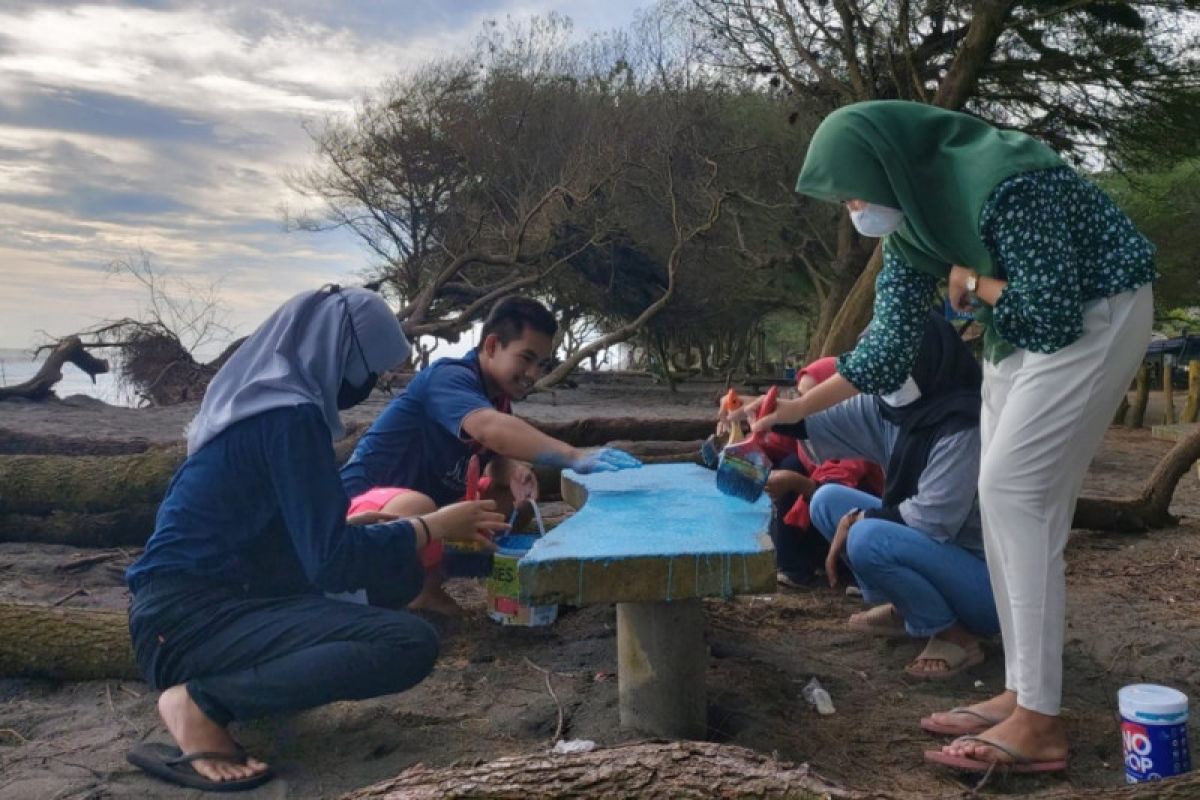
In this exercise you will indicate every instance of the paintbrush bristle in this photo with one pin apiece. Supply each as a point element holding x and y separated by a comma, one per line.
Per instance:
<point>743,472</point>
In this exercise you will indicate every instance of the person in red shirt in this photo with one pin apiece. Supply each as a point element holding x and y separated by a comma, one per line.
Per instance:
<point>800,549</point>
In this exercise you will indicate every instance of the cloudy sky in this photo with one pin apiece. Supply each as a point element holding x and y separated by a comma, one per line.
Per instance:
<point>168,127</point>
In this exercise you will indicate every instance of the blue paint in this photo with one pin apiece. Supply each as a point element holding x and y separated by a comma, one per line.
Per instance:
<point>660,510</point>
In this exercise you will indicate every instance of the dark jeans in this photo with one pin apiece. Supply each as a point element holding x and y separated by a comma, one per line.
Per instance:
<point>799,552</point>
<point>244,656</point>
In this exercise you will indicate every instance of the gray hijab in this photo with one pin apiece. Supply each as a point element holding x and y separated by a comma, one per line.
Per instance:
<point>300,354</point>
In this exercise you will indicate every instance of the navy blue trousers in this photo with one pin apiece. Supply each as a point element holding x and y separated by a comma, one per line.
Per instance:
<point>244,656</point>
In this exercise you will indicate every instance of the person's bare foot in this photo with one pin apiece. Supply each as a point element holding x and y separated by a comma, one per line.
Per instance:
<point>194,732</point>
<point>997,708</point>
<point>1038,737</point>
<point>437,600</point>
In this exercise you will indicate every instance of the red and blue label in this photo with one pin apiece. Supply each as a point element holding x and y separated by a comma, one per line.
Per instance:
<point>1154,752</point>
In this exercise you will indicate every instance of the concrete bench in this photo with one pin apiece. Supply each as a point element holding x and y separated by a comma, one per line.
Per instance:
<point>654,541</point>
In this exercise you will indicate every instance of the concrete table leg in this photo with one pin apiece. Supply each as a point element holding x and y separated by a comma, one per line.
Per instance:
<point>661,662</point>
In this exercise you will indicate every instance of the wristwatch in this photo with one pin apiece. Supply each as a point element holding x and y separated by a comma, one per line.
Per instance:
<point>972,283</point>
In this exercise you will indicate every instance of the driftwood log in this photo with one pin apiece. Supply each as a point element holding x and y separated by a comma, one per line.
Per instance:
<point>110,501</point>
<point>645,770</point>
<point>1150,509</point>
<point>672,770</point>
<point>41,386</point>
<point>70,644</point>
<point>106,501</point>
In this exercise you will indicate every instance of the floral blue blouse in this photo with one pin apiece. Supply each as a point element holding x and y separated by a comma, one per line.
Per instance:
<point>1058,240</point>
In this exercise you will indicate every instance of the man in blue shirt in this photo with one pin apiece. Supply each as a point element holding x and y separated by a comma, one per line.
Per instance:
<point>415,457</point>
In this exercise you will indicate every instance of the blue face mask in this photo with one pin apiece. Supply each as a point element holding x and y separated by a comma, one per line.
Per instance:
<point>876,221</point>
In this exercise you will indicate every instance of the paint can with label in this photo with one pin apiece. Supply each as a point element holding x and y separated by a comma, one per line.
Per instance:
<point>504,589</point>
<point>1154,732</point>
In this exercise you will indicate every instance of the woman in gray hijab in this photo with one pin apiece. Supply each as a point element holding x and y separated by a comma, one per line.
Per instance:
<point>229,615</point>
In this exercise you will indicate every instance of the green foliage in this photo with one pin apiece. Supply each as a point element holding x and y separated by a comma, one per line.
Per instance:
<point>1178,321</point>
<point>1166,207</point>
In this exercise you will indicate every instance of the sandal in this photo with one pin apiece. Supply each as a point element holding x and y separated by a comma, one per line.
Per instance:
<point>955,657</point>
<point>1018,762</point>
<point>979,724</point>
<point>168,763</point>
<point>878,621</point>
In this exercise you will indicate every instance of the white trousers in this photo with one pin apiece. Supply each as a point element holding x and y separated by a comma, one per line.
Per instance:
<point>1044,416</point>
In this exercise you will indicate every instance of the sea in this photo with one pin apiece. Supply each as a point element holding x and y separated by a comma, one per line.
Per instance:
<point>18,366</point>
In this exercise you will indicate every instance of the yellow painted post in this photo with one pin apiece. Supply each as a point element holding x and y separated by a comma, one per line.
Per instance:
<point>1192,409</point>
<point>1137,414</point>
<point>1168,392</point>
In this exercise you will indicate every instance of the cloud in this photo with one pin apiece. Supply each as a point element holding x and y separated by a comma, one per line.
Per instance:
<point>169,127</point>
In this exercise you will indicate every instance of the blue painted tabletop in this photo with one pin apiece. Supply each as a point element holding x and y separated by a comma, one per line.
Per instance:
<point>661,532</point>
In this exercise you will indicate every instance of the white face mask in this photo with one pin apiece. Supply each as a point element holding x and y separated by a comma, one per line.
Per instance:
<point>907,394</point>
<point>876,220</point>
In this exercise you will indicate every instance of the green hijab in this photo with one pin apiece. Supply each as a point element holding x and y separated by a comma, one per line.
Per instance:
<point>939,167</point>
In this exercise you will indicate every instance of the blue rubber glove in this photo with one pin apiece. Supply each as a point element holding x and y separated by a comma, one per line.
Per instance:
<point>605,459</point>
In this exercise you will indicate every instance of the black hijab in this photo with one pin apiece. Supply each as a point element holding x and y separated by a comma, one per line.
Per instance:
<point>949,378</point>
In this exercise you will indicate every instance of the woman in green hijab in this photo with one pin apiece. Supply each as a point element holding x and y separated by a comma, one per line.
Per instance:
<point>1061,279</point>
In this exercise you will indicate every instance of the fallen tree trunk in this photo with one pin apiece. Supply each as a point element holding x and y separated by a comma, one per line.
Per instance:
<point>15,443</point>
<point>39,485</point>
<point>642,769</point>
<point>70,644</point>
<point>1150,509</point>
<point>41,386</point>
<point>128,526</point>
<point>670,770</point>
<point>109,501</point>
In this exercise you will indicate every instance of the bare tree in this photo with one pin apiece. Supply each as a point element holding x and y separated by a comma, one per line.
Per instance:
<point>157,348</point>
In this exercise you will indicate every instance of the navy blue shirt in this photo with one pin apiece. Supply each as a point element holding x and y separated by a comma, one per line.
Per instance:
<point>418,442</point>
<point>261,506</point>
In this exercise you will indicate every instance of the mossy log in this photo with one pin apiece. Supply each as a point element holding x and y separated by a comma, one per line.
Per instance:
<point>645,770</point>
<point>39,485</point>
<point>110,501</point>
<point>70,644</point>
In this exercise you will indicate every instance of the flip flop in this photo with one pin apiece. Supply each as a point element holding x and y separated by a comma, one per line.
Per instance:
<point>878,621</point>
<point>168,763</point>
<point>1018,763</point>
<point>981,723</point>
<point>956,658</point>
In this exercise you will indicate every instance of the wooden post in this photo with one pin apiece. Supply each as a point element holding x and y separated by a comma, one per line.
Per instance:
<point>1122,410</point>
<point>661,664</point>
<point>1192,408</point>
<point>1168,392</point>
<point>1137,414</point>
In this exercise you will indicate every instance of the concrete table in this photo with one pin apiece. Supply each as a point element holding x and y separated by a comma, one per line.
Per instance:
<point>654,541</point>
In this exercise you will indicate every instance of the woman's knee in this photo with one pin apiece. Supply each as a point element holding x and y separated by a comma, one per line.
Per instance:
<point>866,546</point>
<point>409,649</point>
<point>823,507</point>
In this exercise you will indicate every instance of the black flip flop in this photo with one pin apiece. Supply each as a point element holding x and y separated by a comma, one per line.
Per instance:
<point>168,763</point>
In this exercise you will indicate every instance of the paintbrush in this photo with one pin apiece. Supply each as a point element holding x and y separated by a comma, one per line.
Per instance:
<point>710,451</point>
<point>744,467</point>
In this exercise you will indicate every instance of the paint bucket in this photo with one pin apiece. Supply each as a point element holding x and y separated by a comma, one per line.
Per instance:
<point>503,587</point>
<point>1154,738</point>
